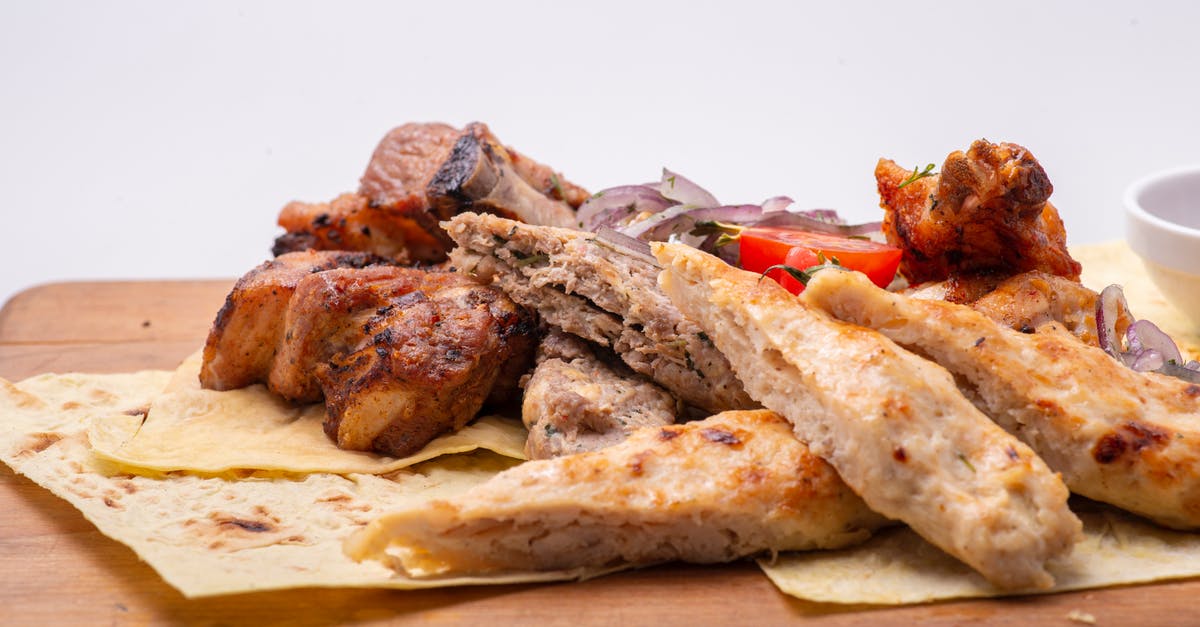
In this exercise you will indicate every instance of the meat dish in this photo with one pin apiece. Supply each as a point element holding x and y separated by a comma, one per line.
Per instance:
<point>713,490</point>
<point>894,425</point>
<point>420,174</point>
<point>400,355</point>
<point>1119,436</point>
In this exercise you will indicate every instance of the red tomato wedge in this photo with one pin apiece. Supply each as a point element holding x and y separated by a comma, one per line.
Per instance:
<point>762,247</point>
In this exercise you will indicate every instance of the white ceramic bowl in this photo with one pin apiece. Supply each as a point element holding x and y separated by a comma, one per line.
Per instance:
<point>1162,225</point>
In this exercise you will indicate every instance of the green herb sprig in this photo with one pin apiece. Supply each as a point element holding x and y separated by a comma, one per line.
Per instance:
<point>917,175</point>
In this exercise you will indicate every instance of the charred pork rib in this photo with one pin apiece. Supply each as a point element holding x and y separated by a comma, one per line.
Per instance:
<point>400,355</point>
<point>420,174</point>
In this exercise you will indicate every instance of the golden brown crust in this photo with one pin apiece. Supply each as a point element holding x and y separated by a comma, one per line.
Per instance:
<point>986,213</point>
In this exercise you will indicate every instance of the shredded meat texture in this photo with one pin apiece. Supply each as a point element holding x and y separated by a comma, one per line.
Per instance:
<point>986,214</point>
<point>577,401</point>
<point>712,490</point>
<point>894,425</point>
<point>399,355</point>
<point>420,174</point>
<point>1131,439</point>
<point>582,287</point>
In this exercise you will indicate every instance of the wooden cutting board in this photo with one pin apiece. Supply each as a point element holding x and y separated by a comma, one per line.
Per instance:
<point>55,568</point>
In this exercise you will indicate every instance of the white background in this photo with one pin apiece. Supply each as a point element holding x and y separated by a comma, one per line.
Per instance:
<point>159,140</point>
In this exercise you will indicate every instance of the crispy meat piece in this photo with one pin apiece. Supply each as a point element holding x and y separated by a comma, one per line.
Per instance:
<point>580,286</point>
<point>1127,438</point>
<point>894,425</point>
<point>1029,301</point>
<point>400,355</point>
<point>576,401</point>
<point>986,213</point>
<point>241,346</point>
<point>419,174</point>
<point>713,490</point>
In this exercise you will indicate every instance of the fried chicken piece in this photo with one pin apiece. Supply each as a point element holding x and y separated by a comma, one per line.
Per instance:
<point>420,174</point>
<point>894,425</point>
<point>241,345</point>
<point>577,401</point>
<point>986,213</point>
<point>1119,436</point>
<point>400,355</point>
<point>602,295</point>
<point>713,490</point>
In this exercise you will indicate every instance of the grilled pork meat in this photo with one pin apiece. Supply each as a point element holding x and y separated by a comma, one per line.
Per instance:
<point>580,286</point>
<point>712,490</point>
<point>245,336</point>
<point>1127,438</point>
<point>575,401</point>
<point>985,214</point>
<point>400,355</point>
<point>894,425</point>
<point>421,174</point>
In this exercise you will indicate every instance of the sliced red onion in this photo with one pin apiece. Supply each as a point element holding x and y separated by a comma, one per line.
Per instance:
<point>802,221</point>
<point>1109,307</point>
<point>828,216</point>
<point>616,205</point>
<point>681,219</point>
<point>777,203</point>
<point>622,243</point>
<point>1147,348</point>
<point>1144,337</point>
<point>683,191</point>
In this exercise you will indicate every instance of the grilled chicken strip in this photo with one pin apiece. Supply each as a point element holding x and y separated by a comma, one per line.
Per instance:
<point>713,490</point>
<point>575,401</point>
<point>400,355</point>
<point>986,213</point>
<point>1030,301</point>
<point>584,288</point>
<point>894,425</point>
<point>422,173</point>
<point>1122,437</point>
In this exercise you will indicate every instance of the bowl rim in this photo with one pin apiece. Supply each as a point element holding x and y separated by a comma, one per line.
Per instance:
<point>1185,255</point>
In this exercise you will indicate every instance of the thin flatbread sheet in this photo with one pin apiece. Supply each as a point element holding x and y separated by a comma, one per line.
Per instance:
<point>205,431</point>
<point>209,535</point>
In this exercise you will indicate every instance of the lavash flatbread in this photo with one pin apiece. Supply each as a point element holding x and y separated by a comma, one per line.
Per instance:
<point>219,534</point>
<point>205,431</point>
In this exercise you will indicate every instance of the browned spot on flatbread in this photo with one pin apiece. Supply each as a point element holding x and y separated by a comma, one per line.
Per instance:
<point>668,434</point>
<point>37,442</point>
<point>70,405</point>
<point>345,503</point>
<point>138,411</point>
<point>637,466</point>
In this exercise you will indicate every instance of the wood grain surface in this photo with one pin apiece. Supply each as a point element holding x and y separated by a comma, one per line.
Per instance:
<point>55,568</point>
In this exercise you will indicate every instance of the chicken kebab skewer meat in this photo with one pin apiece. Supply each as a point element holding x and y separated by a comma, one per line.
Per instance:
<point>400,355</point>
<point>894,425</point>
<point>1119,436</point>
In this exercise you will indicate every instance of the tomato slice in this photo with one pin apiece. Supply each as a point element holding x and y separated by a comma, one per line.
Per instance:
<point>762,247</point>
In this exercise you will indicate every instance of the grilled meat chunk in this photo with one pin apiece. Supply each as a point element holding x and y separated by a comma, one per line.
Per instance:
<point>576,402</point>
<point>400,355</point>
<point>422,173</point>
<point>713,490</point>
<point>580,286</point>
<point>987,213</point>
<point>894,425</point>
<point>241,346</point>
<point>1031,300</point>
<point>1122,437</point>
